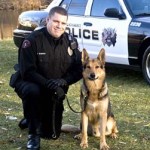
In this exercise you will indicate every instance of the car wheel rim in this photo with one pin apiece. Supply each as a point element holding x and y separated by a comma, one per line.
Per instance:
<point>148,65</point>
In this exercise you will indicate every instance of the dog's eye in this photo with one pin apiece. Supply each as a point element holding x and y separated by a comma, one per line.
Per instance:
<point>102,67</point>
<point>88,67</point>
<point>97,67</point>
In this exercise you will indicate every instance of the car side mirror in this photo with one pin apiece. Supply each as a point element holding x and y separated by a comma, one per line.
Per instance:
<point>114,12</point>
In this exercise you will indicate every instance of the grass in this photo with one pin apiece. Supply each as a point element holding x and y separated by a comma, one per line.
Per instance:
<point>130,97</point>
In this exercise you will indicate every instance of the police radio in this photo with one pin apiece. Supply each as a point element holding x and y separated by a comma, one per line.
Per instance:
<point>72,41</point>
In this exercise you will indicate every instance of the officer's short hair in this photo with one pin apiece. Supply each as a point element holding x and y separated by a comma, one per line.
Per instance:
<point>59,10</point>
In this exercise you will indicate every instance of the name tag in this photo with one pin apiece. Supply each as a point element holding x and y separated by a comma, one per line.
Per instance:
<point>41,53</point>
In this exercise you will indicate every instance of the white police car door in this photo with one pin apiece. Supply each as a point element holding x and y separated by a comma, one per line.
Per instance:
<point>105,32</point>
<point>76,11</point>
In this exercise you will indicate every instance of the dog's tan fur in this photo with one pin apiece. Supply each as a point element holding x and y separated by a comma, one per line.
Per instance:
<point>97,116</point>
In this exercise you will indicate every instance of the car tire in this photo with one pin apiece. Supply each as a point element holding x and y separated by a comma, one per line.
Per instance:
<point>146,65</point>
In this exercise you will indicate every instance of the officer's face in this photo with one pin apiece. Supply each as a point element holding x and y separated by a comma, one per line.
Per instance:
<point>56,25</point>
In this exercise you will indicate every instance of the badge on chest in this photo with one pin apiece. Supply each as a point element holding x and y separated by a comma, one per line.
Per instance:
<point>70,51</point>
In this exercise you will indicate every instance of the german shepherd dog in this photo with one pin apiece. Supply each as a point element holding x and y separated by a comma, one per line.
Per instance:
<point>96,117</point>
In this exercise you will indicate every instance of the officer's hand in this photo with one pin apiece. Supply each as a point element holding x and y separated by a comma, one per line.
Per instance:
<point>53,84</point>
<point>61,82</point>
<point>60,94</point>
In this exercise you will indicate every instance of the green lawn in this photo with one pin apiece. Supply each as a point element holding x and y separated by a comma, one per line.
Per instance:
<point>130,97</point>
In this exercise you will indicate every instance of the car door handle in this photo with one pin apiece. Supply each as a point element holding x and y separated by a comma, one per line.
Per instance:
<point>87,24</point>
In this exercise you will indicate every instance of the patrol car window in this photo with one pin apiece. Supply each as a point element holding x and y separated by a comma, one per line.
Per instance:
<point>139,7</point>
<point>65,4</point>
<point>99,7</point>
<point>77,7</point>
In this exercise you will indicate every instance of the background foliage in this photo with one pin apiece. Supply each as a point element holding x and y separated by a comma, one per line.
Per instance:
<point>22,4</point>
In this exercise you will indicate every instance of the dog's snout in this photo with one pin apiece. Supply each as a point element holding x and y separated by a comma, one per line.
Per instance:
<point>92,75</point>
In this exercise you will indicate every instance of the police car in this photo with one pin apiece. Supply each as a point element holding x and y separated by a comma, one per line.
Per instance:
<point>122,27</point>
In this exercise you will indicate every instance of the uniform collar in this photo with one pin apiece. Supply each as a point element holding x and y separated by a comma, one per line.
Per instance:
<point>51,38</point>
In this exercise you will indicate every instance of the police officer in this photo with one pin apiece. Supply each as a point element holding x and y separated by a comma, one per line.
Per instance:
<point>49,61</point>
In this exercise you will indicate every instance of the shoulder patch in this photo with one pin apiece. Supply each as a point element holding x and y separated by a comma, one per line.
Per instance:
<point>26,44</point>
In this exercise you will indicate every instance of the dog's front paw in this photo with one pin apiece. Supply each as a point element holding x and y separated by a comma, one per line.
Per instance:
<point>104,146</point>
<point>114,135</point>
<point>84,145</point>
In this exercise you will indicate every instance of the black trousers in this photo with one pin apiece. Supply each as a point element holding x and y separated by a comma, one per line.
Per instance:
<point>41,108</point>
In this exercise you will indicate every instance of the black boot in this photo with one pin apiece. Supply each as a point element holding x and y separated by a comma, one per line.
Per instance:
<point>33,142</point>
<point>23,124</point>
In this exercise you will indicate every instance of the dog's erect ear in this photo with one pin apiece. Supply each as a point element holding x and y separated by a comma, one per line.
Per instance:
<point>101,56</point>
<point>85,56</point>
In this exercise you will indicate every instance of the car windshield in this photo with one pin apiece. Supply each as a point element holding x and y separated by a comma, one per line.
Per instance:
<point>139,7</point>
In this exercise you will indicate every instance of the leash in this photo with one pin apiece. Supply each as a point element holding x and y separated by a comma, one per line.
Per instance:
<point>54,136</point>
<point>85,99</point>
<point>71,107</point>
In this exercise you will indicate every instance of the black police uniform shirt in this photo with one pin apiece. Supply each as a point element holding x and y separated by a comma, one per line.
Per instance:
<point>43,57</point>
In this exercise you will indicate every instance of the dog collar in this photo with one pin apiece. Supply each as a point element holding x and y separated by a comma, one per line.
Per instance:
<point>103,92</point>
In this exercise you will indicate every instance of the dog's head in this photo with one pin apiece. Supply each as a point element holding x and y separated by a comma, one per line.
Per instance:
<point>93,69</point>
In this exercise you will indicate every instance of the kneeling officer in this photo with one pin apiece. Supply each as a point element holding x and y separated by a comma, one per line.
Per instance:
<point>49,61</point>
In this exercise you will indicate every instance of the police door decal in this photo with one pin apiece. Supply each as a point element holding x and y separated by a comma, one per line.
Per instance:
<point>109,36</point>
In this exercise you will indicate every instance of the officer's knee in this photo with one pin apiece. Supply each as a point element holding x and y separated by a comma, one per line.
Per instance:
<point>31,90</point>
